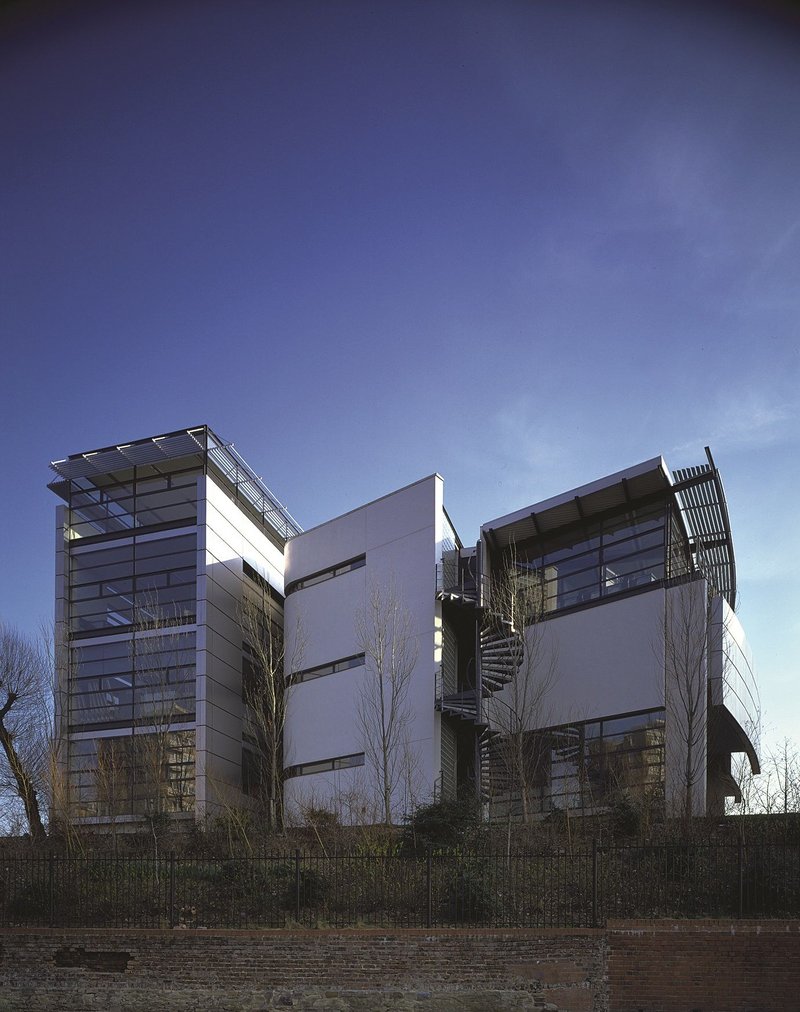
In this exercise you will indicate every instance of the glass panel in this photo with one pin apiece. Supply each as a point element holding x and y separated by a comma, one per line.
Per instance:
<point>348,762</point>
<point>100,574</point>
<point>102,556</point>
<point>633,546</point>
<point>160,547</point>
<point>627,574</point>
<point>622,528</point>
<point>567,547</point>
<point>167,514</point>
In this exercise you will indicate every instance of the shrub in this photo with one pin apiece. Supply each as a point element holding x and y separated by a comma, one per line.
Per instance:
<point>443,824</point>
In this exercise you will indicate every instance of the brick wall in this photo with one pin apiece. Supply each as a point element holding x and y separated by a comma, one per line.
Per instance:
<point>704,966</point>
<point>370,970</point>
<point>632,966</point>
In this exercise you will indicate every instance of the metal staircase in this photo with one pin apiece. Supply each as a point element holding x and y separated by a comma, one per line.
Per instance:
<point>502,653</point>
<point>500,649</point>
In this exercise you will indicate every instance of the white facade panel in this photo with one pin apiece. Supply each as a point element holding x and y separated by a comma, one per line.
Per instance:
<point>326,545</point>
<point>608,658</point>
<point>335,696</point>
<point>325,617</point>
<point>399,535</point>
<point>227,536</point>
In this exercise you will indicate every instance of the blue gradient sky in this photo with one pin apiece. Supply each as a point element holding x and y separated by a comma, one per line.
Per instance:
<point>522,244</point>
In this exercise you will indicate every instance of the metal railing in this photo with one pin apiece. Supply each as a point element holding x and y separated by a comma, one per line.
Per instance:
<point>552,888</point>
<point>455,579</point>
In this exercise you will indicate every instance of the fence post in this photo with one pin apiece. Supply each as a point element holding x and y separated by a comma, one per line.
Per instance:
<point>51,888</point>
<point>741,875</point>
<point>428,888</point>
<point>594,881</point>
<point>172,888</point>
<point>297,885</point>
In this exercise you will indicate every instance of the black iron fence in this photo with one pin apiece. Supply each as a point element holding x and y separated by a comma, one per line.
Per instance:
<point>554,888</point>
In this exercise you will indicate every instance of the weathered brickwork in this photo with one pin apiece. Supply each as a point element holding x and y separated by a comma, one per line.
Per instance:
<point>632,966</point>
<point>373,971</point>
<point>704,966</point>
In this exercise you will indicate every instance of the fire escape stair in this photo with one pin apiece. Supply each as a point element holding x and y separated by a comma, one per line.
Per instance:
<point>502,654</point>
<point>461,705</point>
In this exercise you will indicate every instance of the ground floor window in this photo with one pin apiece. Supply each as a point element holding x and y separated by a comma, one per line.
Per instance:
<point>141,774</point>
<point>584,766</point>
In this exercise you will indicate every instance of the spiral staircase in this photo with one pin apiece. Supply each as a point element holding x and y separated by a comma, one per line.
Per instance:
<point>500,654</point>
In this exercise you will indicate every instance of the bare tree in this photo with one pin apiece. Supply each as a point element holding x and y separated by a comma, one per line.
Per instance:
<point>776,789</point>
<point>685,645</point>
<point>148,771</point>
<point>386,638</point>
<point>266,683</point>
<point>112,780</point>
<point>783,762</point>
<point>516,648</point>
<point>162,754</point>
<point>25,686</point>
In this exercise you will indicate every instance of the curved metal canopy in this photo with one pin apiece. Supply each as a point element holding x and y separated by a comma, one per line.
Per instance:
<point>701,500</point>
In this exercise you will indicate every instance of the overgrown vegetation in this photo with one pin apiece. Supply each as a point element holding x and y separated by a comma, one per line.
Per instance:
<point>542,886</point>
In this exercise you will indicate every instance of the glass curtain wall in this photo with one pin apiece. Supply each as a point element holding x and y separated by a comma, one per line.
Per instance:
<point>133,774</point>
<point>628,551</point>
<point>130,574</point>
<point>584,766</point>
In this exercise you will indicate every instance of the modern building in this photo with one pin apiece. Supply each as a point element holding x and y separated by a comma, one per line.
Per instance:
<point>585,646</point>
<point>157,540</point>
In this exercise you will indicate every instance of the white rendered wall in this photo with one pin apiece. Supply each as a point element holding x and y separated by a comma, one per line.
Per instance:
<point>607,658</point>
<point>400,535</point>
<point>685,638</point>
<point>226,535</point>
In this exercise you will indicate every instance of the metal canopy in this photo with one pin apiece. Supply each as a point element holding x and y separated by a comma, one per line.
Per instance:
<point>701,499</point>
<point>580,506</point>
<point>154,450</point>
<point>697,491</point>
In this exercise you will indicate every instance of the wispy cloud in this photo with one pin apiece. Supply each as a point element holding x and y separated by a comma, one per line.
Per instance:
<point>523,455</point>
<point>747,420</point>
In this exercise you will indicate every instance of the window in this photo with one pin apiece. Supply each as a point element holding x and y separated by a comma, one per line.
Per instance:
<point>124,683</point>
<point>625,552</point>
<point>255,577</point>
<point>137,774</point>
<point>252,772</point>
<point>342,762</point>
<point>589,762</point>
<point>307,674</point>
<point>149,501</point>
<point>123,585</point>
<point>327,574</point>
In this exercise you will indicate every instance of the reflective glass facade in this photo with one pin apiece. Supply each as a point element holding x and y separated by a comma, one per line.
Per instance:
<point>132,583</point>
<point>133,774</point>
<point>143,680</point>
<point>137,499</point>
<point>586,765</point>
<point>131,569</point>
<point>138,549</point>
<point>625,552</point>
